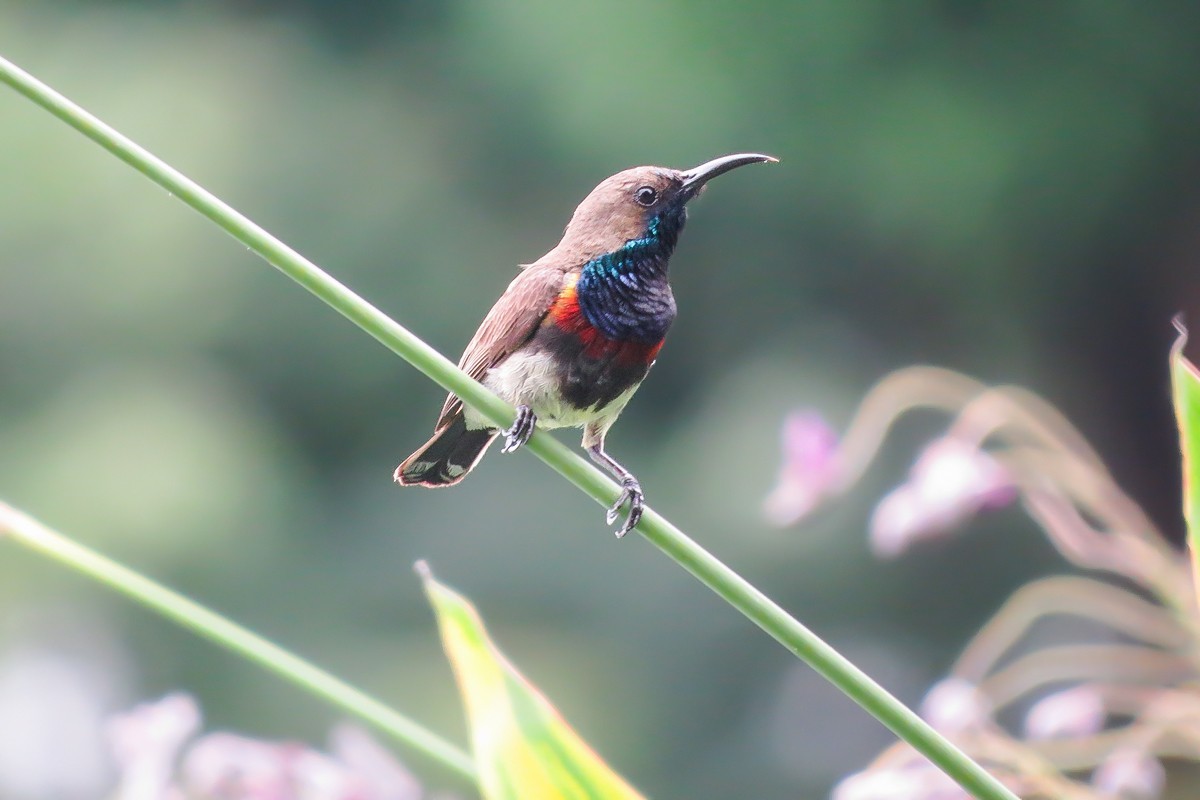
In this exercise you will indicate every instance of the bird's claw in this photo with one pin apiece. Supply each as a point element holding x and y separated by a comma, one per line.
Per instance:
<point>632,494</point>
<point>521,430</point>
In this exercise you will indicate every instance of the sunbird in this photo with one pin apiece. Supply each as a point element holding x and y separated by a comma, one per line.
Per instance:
<point>576,332</point>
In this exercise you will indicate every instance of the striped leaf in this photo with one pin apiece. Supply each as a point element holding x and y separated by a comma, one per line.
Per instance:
<point>523,748</point>
<point>1185,382</point>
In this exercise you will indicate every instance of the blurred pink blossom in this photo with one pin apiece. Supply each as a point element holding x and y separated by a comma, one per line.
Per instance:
<point>232,767</point>
<point>809,470</point>
<point>225,765</point>
<point>1078,711</point>
<point>1130,774</point>
<point>387,777</point>
<point>146,741</point>
<point>950,482</point>
<point>954,706</point>
<point>919,781</point>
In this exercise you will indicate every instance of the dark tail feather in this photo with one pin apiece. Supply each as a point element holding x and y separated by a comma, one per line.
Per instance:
<point>446,458</point>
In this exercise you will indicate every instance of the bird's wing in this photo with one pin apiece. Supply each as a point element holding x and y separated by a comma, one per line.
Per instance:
<point>510,323</point>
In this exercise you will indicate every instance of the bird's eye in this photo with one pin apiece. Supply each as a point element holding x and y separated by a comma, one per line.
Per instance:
<point>646,196</point>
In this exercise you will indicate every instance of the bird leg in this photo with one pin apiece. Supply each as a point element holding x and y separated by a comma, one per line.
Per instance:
<point>521,430</point>
<point>632,490</point>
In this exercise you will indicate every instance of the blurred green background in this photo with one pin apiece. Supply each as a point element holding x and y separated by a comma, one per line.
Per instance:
<point>1009,189</point>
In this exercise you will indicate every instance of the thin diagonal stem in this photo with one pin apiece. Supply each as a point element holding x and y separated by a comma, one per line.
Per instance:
<point>712,572</point>
<point>36,536</point>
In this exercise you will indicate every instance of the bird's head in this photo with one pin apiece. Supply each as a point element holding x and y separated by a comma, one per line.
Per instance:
<point>641,202</point>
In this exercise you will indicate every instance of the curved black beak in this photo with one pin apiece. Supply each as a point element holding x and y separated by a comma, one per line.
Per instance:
<point>695,178</point>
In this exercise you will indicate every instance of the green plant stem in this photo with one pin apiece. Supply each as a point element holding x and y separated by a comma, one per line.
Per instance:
<point>714,574</point>
<point>36,536</point>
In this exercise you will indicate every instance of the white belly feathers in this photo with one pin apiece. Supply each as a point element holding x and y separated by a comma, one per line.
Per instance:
<point>530,378</point>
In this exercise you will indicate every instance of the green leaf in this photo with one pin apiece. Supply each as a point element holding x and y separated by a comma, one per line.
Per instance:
<point>1185,383</point>
<point>523,747</point>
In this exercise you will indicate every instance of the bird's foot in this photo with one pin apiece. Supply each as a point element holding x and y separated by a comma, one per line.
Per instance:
<point>521,430</point>
<point>632,494</point>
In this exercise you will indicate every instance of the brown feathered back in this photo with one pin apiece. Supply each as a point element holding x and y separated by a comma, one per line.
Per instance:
<point>508,325</point>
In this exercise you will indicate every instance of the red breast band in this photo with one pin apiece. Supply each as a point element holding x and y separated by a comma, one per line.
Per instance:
<point>567,316</point>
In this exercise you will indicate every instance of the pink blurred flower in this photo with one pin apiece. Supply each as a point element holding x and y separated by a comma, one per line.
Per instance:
<point>921,781</point>
<point>1130,774</point>
<point>232,767</point>
<point>1078,711</point>
<point>146,742</point>
<point>951,481</point>
<point>809,468</point>
<point>954,706</point>
<point>374,763</point>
